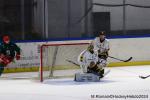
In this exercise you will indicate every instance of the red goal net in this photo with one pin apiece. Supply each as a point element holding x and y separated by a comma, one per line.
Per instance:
<point>54,59</point>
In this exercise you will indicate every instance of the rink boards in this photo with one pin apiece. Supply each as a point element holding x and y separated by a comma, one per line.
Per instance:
<point>122,48</point>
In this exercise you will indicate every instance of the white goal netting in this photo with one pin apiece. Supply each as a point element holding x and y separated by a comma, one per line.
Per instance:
<point>54,59</point>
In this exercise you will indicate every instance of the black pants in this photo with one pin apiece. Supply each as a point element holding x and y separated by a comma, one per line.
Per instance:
<point>1,69</point>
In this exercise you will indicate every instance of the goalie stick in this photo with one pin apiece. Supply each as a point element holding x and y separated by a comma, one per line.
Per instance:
<point>121,59</point>
<point>144,77</point>
<point>73,62</point>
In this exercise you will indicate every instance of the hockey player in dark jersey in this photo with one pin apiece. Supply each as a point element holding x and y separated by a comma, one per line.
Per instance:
<point>8,51</point>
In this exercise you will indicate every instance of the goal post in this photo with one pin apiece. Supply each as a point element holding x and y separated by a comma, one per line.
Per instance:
<point>54,57</point>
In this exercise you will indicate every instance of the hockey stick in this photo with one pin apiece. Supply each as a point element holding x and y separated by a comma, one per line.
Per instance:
<point>121,59</point>
<point>144,77</point>
<point>73,62</point>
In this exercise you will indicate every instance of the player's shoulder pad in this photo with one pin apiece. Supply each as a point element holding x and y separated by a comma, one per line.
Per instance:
<point>106,40</point>
<point>96,39</point>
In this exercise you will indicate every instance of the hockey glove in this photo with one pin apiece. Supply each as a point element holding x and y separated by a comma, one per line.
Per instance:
<point>103,55</point>
<point>17,56</point>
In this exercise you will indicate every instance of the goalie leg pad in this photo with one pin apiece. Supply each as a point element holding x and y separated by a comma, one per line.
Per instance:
<point>86,77</point>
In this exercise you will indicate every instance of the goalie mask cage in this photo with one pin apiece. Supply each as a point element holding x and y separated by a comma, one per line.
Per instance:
<point>54,57</point>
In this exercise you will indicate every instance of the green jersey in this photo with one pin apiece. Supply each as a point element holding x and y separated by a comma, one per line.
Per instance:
<point>9,49</point>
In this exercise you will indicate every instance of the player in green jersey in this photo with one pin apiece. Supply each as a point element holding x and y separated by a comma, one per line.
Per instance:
<point>8,51</point>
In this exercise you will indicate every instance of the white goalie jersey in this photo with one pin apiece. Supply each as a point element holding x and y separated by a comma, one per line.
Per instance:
<point>85,58</point>
<point>101,46</point>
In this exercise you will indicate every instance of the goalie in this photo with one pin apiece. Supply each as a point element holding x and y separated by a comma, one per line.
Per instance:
<point>8,51</point>
<point>89,62</point>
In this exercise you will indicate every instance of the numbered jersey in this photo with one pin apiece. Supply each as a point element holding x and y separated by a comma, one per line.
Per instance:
<point>9,50</point>
<point>85,58</point>
<point>101,46</point>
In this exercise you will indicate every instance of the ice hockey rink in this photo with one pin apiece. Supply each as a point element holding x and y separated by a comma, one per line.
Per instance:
<point>122,83</point>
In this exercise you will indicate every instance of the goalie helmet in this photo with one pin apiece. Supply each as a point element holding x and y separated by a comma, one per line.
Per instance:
<point>90,48</point>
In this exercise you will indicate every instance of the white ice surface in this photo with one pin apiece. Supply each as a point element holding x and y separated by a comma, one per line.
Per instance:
<point>120,81</point>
